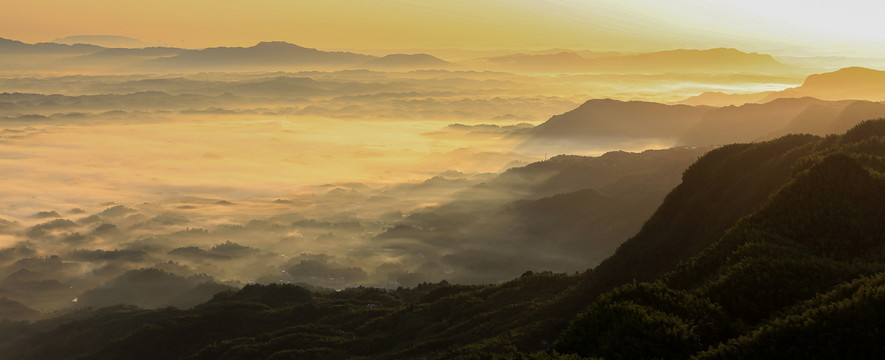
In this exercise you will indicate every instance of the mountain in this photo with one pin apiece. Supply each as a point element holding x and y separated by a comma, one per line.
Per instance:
<point>565,61</point>
<point>854,83</point>
<point>407,62</point>
<point>147,52</point>
<point>275,53</point>
<point>720,188</point>
<point>13,47</point>
<point>614,118</point>
<point>151,288</point>
<point>800,276</point>
<point>852,114</point>
<point>604,121</point>
<point>755,122</point>
<point>15,311</point>
<point>680,60</point>
<point>766,248</point>
<point>107,41</point>
<point>684,60</point>
<point>719,99</point>
<point>751,122</point>
<point>575,210</point>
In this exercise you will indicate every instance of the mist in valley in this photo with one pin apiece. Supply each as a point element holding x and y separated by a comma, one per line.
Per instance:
<point>178,173</point>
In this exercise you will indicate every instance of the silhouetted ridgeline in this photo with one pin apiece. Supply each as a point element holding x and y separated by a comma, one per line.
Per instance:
<point>855,83</point>
<point>768,248</point>
<point>686,125</point>
<point>680,60</point>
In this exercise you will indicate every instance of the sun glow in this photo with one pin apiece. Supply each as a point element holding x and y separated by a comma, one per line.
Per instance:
<point>488,24</point>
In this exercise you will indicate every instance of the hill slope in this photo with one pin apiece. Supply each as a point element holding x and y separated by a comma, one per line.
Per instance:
<point>804,266</point>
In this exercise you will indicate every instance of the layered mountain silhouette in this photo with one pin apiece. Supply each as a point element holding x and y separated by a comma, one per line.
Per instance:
<point>130,54</point>
<point>712,60</point>
<point>407,61</point>
<point>803,266</point>
<point>275,53</point>
<point>108,41</point>
<point>853,83</point>
<point>849,83</point>
<point>606,117</point>
<point>717,98</point>
<point>597,120</point>
<point>282,55</point>
<point>751,122</point>
<point>147,52</point>
<point>8,46</point>
<point>565,61</point>
<point>575,210</point>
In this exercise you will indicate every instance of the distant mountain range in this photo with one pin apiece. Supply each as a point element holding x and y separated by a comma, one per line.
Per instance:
<point>856,83</point>
<point>681,60</point>
<point>108,41</point>
<point>848,83</point>
<point>265,55</point>
<point>274,53</point>
<point>13,47</point>
<point>406,61</point>
<point>779,114</point>
<point>127,52</point>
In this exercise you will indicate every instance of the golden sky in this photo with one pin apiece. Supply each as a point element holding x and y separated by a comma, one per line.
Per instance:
<point>791,26</point>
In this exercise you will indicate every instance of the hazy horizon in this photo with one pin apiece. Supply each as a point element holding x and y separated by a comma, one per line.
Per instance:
<point>784,28</point>
<point>280,142</point>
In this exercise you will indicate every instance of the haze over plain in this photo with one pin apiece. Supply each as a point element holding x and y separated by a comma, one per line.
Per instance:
<point>354,143</point>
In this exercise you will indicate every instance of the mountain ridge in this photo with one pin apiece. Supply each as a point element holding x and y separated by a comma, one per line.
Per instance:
<point>850,83</point>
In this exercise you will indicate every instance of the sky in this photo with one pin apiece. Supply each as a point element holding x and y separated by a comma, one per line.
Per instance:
<point>787,26</point>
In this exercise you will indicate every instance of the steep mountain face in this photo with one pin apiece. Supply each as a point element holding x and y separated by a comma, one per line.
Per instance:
<point>767,248</point>
<point>806,263</point>
<point>720,188</point>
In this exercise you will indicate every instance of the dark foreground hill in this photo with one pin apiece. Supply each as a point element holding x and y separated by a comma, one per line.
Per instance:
<point>764,249</point>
